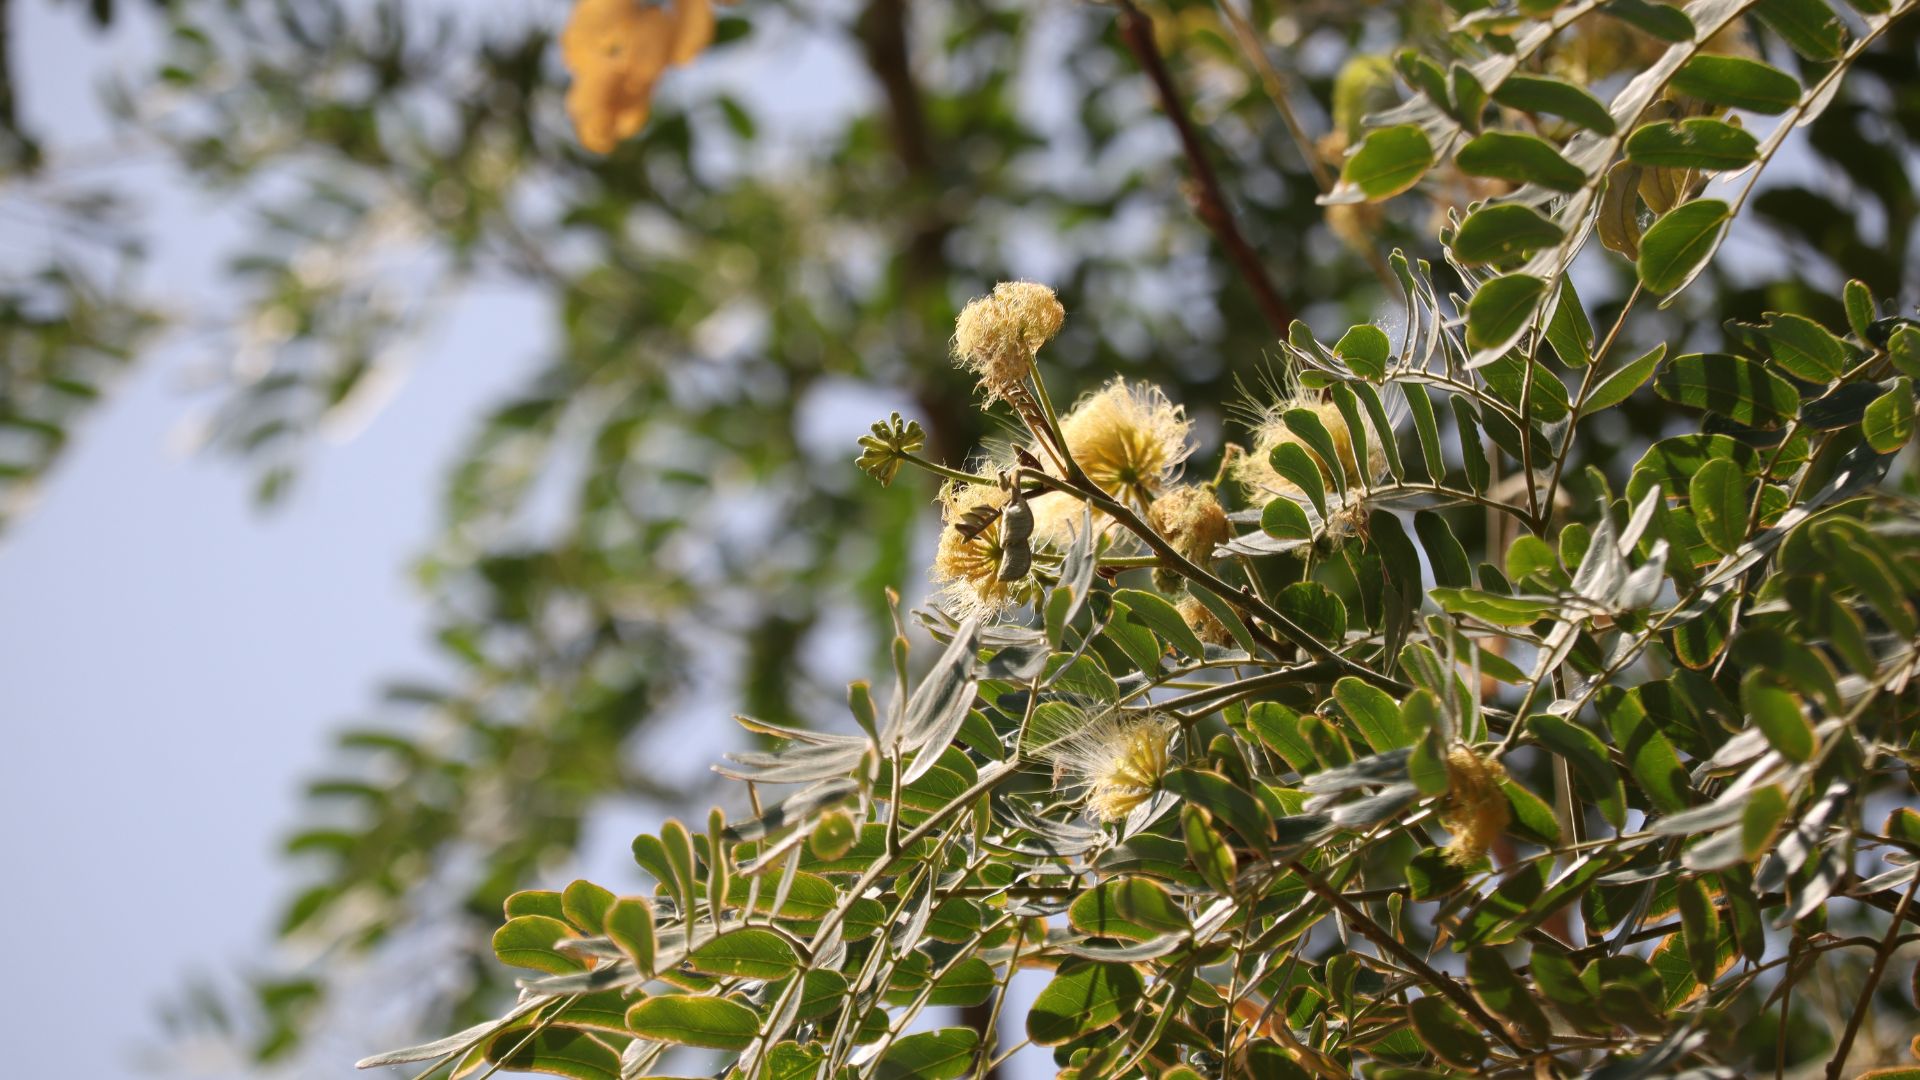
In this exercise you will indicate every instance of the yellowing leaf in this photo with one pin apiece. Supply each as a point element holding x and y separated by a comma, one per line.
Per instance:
<point>616,50</point>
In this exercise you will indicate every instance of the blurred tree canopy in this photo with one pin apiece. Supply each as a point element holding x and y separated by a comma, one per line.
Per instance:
<point>782,245</point>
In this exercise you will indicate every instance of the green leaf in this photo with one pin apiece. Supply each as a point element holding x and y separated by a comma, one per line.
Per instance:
<point>1080,1000</point>
<point>1779,715</point>
<point>1315,609</point>
<point>1903,348</point>
<point>1163,618</point>
<point>1377,413</point>
<point>630,926</point>
<point>1500,310</point>
<point>1697,143</point>
<point>1473,455</point>
<point>1531,560</point>
<point>749,953</point>
<point>1766,808</point>
<point>1207,849</point>
<point>1809,27</point>
<point>1677,245</point>
<point>1389,161</point>
<point>946,1054</point>
<point>1278,727</point>
<point>1292,461</point>
<point>585,905</point>
<point>1888,423</point>
<point>1664,21</point>
<point>956,921</point>
<point>1737,388</point>
<point>1719,498</point>
<point>527,941</point>
<point>1374,713</point>
<point>1366,349</point>
<point>1672,462</point>
<point>1134,641</point>
<point>1226,614</point>
<point>1555,97</point>
<point>1801,346</point>
<point>1306,426</point>
<point>1444,551</point>
<point>1587,756</point>
<point>967,983</point>
<point>1134,908</point>
<point>1445,1032</point>
<point>1283,519</point>
<point>1623,383</point>
<point>1220,797</point>
<point>536,902</point>
<point>1427,428</point>
<point>1700,925</point>
<point>715,1023</point>
<point>1802,667</point>
<point>809,897</point>
<point>1650,757</point>
<point>1532,818</point>
<point>1521,159</point>
<point>1501,232</point>
<point>1493,608</point>
<point>1505,994</point>
<point>1860,307</point>
<point>1568,330</point>
<point>557,1051</point>
<point>1737,83</point>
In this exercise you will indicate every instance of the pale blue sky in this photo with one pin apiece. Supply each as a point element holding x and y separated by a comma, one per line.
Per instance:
<point>172,660</point>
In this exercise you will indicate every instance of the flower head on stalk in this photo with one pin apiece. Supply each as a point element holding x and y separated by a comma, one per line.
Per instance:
<point>1116,758</point>
<point>996,336</point>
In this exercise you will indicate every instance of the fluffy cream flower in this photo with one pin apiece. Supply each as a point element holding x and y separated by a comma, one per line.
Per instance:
<point>1117,758</point>
<point>1129,439</point>
<point>969,570</point>
<point>1477,810</point>
<point>996,336</point>
<point>1192,520</point>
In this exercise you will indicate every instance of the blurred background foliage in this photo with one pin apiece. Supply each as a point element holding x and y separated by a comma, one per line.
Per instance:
<point>653,531</point>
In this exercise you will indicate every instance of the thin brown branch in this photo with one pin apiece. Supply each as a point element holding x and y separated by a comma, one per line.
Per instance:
<point>1209,203</point>
<point>1865,1001</point>
<point>1437,980</point>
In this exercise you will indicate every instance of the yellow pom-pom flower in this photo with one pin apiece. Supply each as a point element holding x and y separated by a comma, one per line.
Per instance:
<point>969,568</point>
<point>1477,810</point>
<point>1192,520</point>
<point>1129,439</point>
<point>1117,758</point>
<point>996,336</point>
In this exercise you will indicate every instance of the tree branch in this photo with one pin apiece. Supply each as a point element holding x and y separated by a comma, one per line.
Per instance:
<point>1437,980</point>
<point>1880,956</point>
<point>1209,204</point>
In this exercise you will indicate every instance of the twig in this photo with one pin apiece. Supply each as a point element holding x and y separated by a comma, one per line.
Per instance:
<point>1209,204</point>
<point>1860,1006</point>
<point>1379,936</point>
